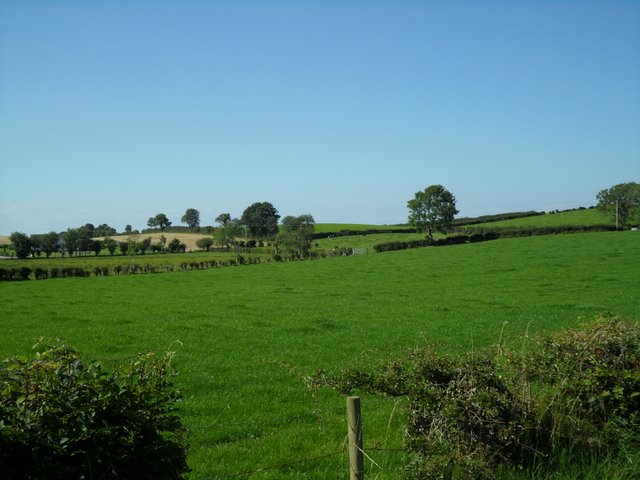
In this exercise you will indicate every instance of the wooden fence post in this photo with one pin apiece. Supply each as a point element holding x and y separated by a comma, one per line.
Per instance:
<point>356,456</point>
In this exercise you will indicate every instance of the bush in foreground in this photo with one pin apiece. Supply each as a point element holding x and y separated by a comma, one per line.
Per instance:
<point>62,418</point>
<point>472,416</point>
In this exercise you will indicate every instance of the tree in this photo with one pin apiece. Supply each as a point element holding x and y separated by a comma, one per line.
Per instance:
<point>297,233</point>
<point>50,243</point>
<point>110,244</point>
<point>36,245</point>
<point>261,219</point>
<point>160,220</point>
<point>204,243</point>
<point>228,234</point>
<point>622,202</point>
<point>432,209</point>
<point>175,246</point>
<point>96,246</point>
<point>223,219</point>
<point>144,245</point>
<point>124,247</point>
<point>104,230</point>
<point>127,229</point>
<point>71,241</point>
<point>21,244</point>
<point>192,218</point>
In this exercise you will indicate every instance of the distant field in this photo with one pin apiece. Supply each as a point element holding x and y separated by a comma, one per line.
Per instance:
<point>242,333</point>
<point>189,239</point>
<point>337,227</point>
<point>575,217</point>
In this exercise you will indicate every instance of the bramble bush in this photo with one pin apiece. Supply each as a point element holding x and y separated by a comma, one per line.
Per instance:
<point>62,418</point>
<point>473,415</point>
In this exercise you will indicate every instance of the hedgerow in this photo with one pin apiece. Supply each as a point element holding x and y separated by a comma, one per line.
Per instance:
<point>63,418</point>
<point>495,410</point>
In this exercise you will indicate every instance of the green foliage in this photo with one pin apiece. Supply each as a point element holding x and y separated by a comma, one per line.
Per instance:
<point>621,202</point>
<point>192,218</point>
<point>21,244</point>
<point>64,418</point>
<point>297,233</point>
<point>205,243</point>
<point>471,415</point>
<point>242,412</point>
<point>432,210</point>
<point>161,221</point>
<point>262,219</point>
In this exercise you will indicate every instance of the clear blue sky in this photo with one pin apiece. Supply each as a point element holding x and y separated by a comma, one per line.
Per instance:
<point>113,111</point>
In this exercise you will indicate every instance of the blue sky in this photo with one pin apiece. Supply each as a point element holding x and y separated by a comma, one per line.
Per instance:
<point>113,111</point>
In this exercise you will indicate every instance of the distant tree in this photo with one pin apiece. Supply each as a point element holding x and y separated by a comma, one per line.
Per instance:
<point>124,247</point>
<point>104,230</point>
<point>85,235</point>
<point>223,219</point>
<point>192,218</point>
<point>144,245</point>
<point>175,246</point>
<point>204,243</point>
<point>36,244</point>
<point>622,202</point>
<point>96,246</point>
<point>297,233</point>
<point>89,229</point>
<point>261,219</point>
<point>50,243</point>
<point>127,229</point>
<point>228,234</point>
<point>432,209</point>
<point>110,244</point>
<point>71,241</point>
<point>21,244</point>
<point>160,220</point>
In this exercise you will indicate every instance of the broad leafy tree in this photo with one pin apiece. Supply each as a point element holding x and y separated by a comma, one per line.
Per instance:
<point>622,202</point>
<point>432,209</point>
<point>21,244</point>
<point>297,233</point>
<point>71,241</point>
<point>144,245</point>
<point>228,234</point>
<point>223,219</point>
<point>50,243</point>
<point>104,230</point>
<point>128,229</point>
<point>175,246</point>
<point>261,219</point>
<point>124,247</point>
<point>192,218</point>
<point>36,244</point>
<point>160,220</point>
<point>95,246</point>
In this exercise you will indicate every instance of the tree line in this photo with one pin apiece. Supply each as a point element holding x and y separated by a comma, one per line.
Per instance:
<point>259,222</point>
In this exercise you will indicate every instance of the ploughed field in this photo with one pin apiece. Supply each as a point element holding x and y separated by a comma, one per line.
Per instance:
<point>245,337</point>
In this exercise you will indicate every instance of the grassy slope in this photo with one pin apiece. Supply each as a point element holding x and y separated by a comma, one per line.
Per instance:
<point>574,217</point>
<point>239,326</point>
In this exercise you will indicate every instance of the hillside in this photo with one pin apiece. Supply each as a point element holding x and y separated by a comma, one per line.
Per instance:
<point>584,217</point>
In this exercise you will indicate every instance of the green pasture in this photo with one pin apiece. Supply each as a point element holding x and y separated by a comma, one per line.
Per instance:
<point>337,227</point>
<point>585,217</point>
<point>366,240</point>
<point>246,336</point>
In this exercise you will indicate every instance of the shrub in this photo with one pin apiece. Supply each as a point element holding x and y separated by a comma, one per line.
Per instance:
<point>63,418</point>
<point>468,416</point>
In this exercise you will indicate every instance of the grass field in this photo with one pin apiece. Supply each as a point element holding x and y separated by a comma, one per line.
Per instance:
<point>584,217</point>
<point>242,333</point>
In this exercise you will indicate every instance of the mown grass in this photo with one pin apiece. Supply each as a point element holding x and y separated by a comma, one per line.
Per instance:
<point>245,335</point>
